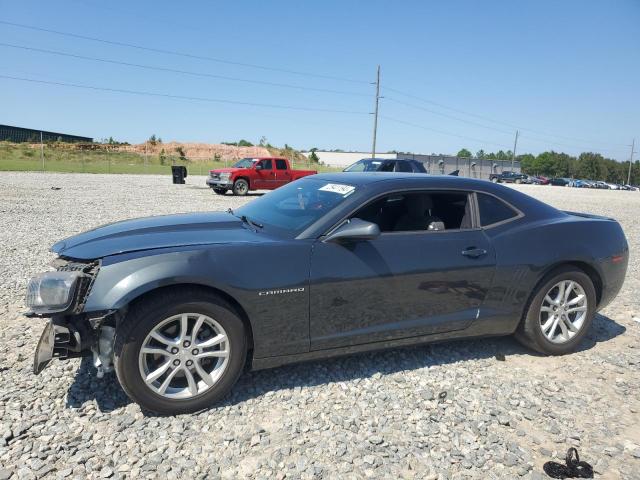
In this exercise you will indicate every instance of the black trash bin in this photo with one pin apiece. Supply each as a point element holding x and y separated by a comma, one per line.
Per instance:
<point>179,173</point>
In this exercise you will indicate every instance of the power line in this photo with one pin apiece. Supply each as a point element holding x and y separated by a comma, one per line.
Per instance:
<point>441,131</point>
<point>182,97</point>
<point>174,70</point>
<point>180,54</point>
<point>494,128</point>
<point>507,124</point>
<point>446,115</point>
<point>583,148</point>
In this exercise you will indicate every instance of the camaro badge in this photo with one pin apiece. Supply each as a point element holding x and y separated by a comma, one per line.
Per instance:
<point>284,290</point>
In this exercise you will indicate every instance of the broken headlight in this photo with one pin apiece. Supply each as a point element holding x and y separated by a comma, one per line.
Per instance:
<point>52,292</point>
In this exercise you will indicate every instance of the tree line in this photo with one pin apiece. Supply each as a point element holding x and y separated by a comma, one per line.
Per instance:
<point>587,165</point>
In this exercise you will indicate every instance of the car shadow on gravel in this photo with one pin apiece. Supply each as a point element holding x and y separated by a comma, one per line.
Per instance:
<point>109,395</point>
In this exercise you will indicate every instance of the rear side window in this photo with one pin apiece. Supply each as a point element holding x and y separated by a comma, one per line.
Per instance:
<point>281,164</point>
<point>493,210</point>
<point>403,167</point>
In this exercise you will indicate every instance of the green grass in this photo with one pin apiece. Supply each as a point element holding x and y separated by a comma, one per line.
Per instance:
<point>65,158</point>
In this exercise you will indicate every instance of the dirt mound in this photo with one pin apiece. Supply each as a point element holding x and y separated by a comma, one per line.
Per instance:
<point>197,151</point>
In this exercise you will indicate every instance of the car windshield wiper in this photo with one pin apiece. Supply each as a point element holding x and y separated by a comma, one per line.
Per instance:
<point>245,219</point>
<point>251,222</point>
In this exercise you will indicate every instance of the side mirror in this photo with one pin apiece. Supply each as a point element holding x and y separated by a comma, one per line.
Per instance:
<point>259,166</point>
<point>355,229</point>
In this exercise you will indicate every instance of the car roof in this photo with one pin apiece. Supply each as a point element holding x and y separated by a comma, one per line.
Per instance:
<point>378,159</point>
<point>437,181</point>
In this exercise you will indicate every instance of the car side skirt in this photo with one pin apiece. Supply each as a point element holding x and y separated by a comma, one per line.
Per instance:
<point>489,327</point>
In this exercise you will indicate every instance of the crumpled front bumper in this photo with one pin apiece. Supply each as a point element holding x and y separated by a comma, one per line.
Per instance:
<point>58,340</point>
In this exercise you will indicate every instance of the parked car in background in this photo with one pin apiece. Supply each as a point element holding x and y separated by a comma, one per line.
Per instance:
<point>532,179</point>
<point>509,177</point>
<point>601,184</point>
<point>386,165</point>
<point>542,180</point>
<point>328,265</point>
<point>264,173</point>
<point>559,182</point>
<point>577,183</point>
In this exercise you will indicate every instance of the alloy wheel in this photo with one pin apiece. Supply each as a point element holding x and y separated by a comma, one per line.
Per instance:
<point>184,356</point>
<point>563,311</point>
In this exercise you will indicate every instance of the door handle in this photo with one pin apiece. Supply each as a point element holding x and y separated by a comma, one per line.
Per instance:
<point>473,252</point>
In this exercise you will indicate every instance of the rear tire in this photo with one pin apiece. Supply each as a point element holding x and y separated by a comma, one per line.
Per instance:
<point>220,191</point>
<point>548,325</point>
<point>218,365</point>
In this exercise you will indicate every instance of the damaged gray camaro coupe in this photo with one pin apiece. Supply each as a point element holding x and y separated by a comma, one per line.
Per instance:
<point>328,265</point>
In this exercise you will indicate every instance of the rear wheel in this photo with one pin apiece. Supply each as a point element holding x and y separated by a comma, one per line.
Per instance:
<point>240,187</point>
<point>179,352</point>
<point>220,191</point>
<point>560,312</point>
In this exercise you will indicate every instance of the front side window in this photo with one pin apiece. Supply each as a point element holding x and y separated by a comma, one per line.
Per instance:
<point>295,206</point>
<point>493,210</point>
<point>419,211</point>
<point>403,167</point>
<point>281,164</point>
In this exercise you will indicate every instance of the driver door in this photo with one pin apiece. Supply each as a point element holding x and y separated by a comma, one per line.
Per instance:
<point>265,175</point>
<point>407,282</point>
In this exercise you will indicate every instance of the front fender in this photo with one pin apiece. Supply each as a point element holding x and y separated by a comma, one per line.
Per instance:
<point>117,284</point>
<point>275,299</point>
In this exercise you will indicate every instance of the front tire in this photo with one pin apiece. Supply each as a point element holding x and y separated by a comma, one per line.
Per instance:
<point>179,352</point>
<point>560,312</point>
<point>240,187</point>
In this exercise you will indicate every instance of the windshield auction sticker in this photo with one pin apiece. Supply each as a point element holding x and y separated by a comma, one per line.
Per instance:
<point>339,188</point>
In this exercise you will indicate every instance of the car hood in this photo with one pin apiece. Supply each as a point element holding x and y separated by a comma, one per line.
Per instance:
<point>156,232</point>
<point>226,170</point>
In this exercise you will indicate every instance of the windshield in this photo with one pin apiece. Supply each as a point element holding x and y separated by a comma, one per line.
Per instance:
<point>245,163</point>
<point>296,205</point>
<point>364,166</point>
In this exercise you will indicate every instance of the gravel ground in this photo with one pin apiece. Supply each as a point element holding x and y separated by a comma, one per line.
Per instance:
<point>506,411</point>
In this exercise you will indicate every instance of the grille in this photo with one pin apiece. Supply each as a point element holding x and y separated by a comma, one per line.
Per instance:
<point>62,265</point>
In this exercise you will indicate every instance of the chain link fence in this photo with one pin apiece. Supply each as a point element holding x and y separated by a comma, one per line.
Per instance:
<point>467,167</point>
<point>103,159</point>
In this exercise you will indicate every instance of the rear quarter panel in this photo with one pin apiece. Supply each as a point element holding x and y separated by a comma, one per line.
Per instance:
<point>296,174</point>
<point>527,250</point>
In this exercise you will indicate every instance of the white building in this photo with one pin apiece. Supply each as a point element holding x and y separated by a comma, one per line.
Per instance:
<point>433,164</point>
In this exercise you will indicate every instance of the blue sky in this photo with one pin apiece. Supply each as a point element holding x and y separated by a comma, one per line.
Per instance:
<point>470,72</point>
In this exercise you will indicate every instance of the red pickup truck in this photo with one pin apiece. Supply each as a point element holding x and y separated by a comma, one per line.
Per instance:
<point>265,173</point>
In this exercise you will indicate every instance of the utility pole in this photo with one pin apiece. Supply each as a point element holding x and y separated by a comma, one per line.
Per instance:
<point>42,151</point>
<point>513,154</point>
<point>375,115</point>
<point>633,144</point>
